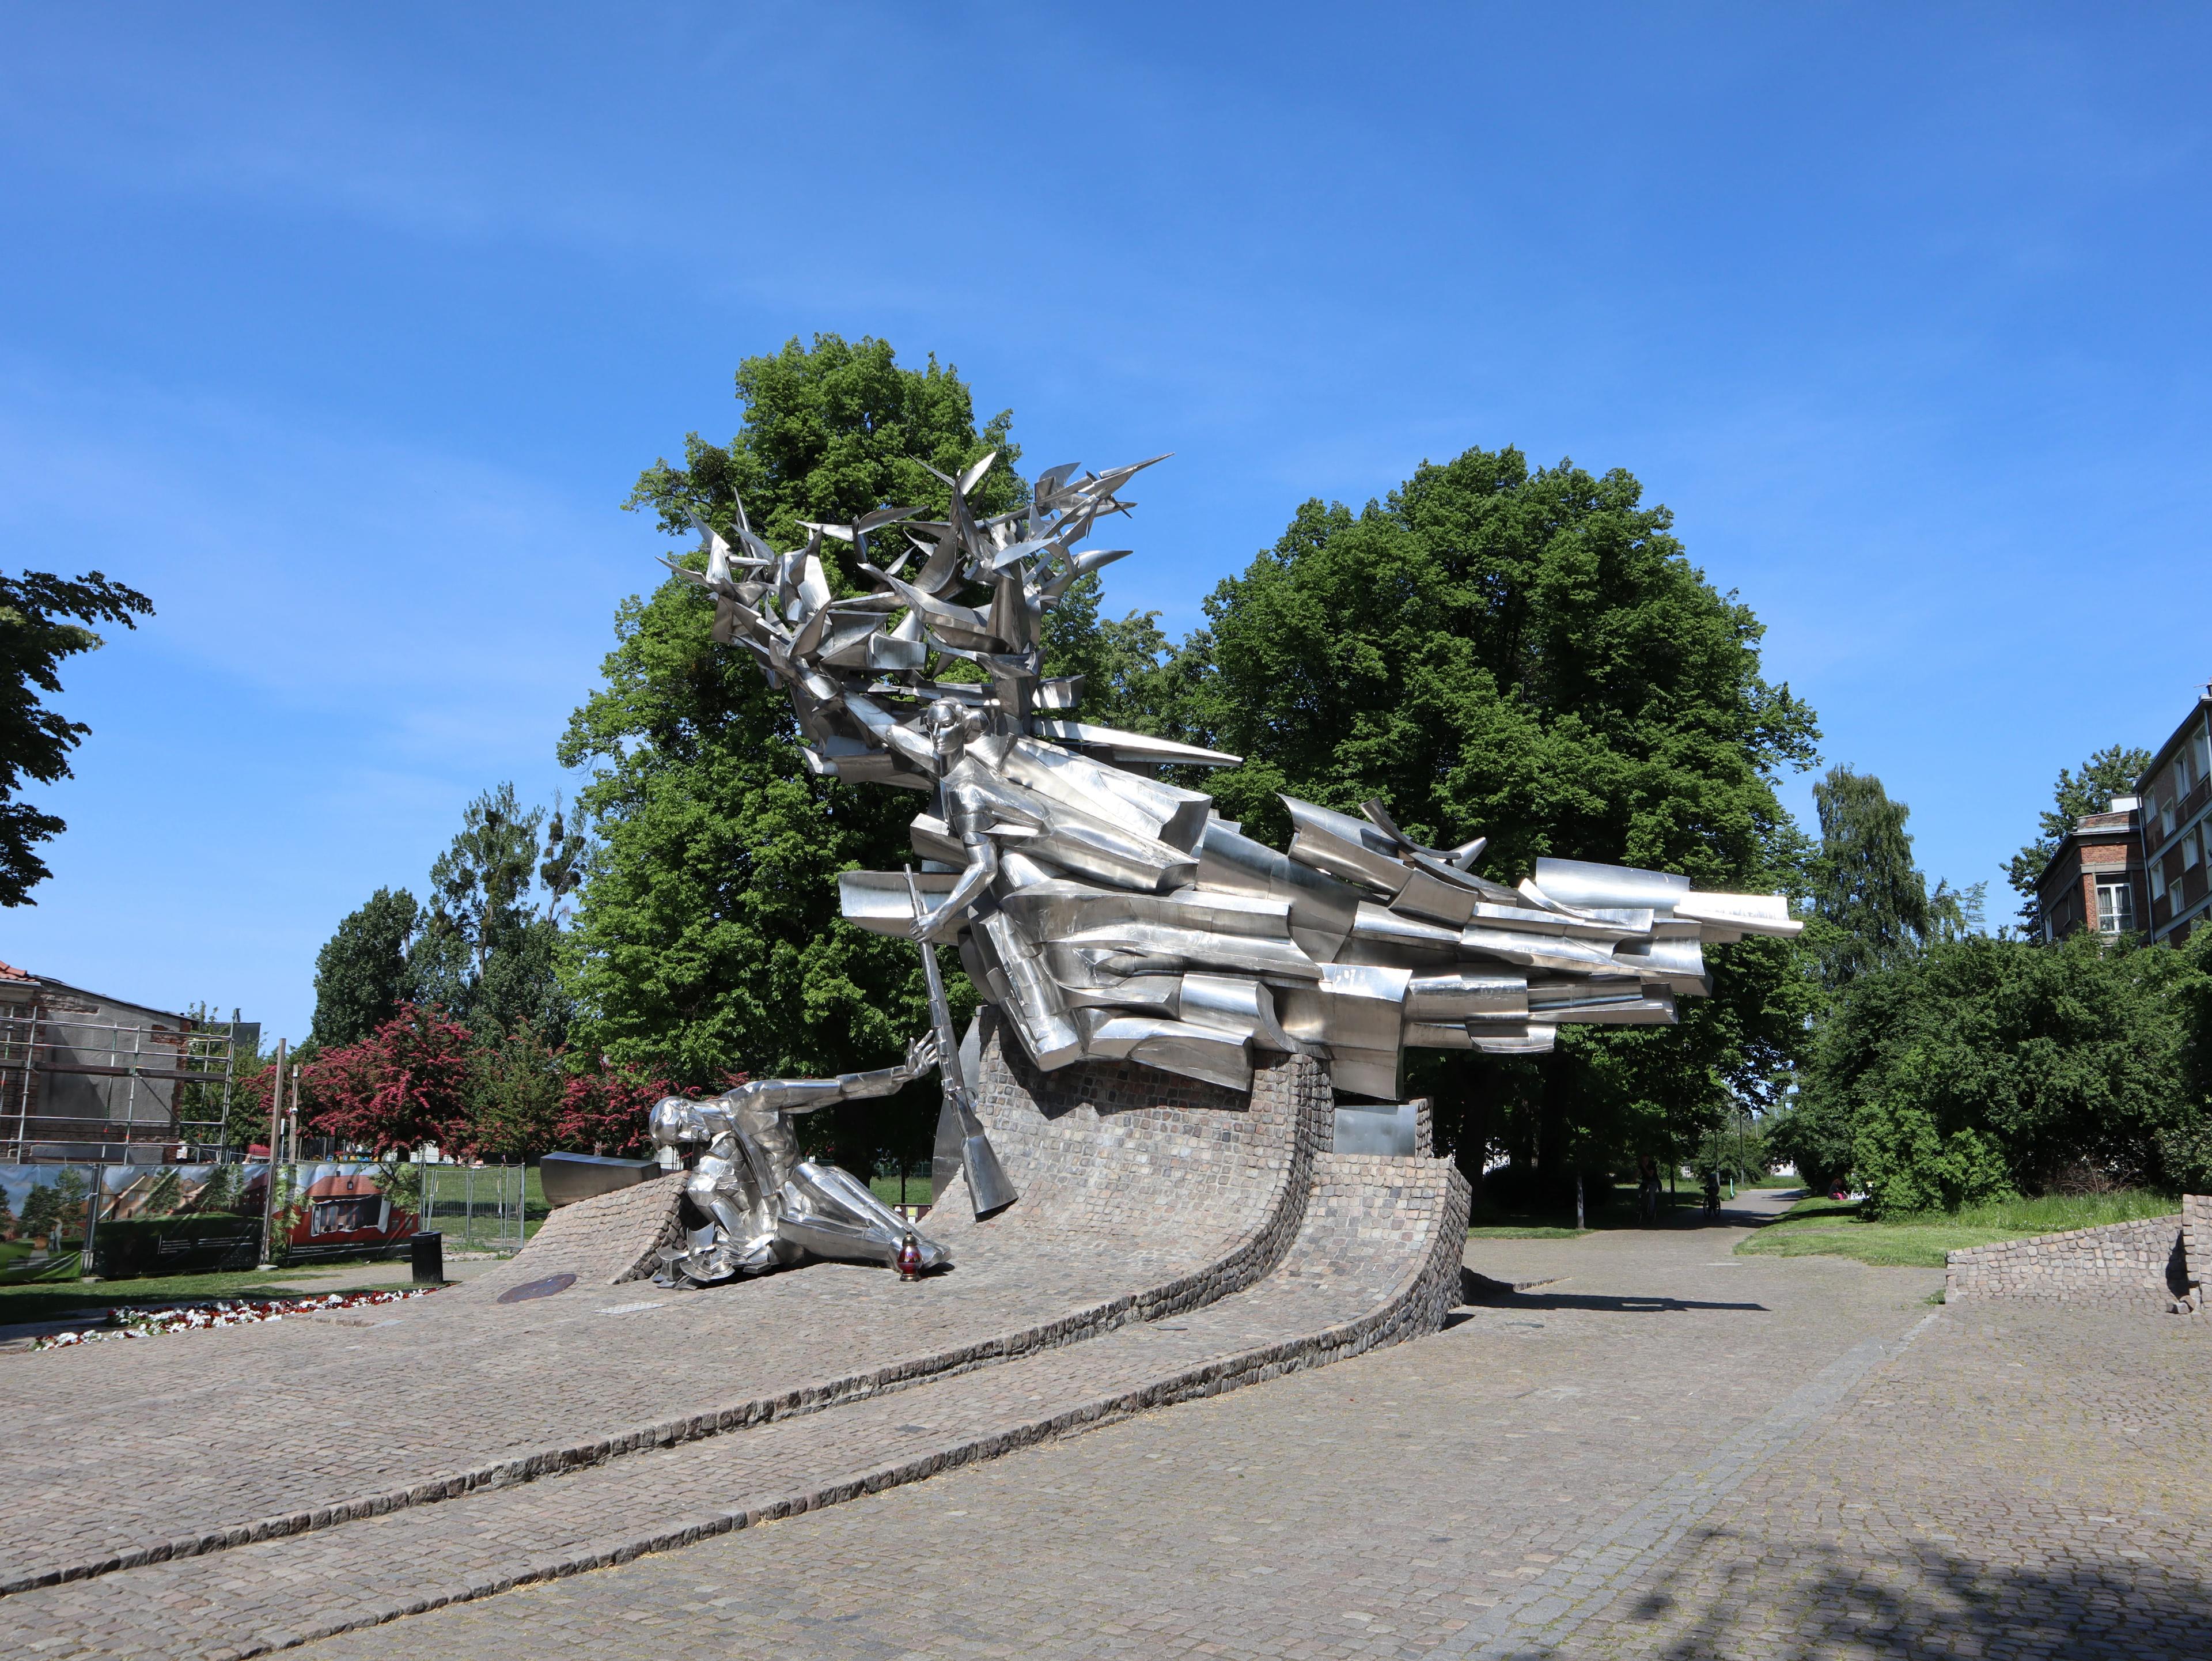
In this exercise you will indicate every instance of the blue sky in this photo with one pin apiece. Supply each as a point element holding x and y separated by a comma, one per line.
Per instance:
<point>342,332</point>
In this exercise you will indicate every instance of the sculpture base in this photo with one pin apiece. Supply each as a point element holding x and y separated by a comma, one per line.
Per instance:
<point>1143,1196</point>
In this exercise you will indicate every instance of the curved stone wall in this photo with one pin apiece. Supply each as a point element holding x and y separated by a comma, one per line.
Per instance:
<point>1205,1187</point>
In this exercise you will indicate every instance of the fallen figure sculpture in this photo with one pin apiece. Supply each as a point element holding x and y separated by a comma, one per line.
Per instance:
<point>752,1204</point>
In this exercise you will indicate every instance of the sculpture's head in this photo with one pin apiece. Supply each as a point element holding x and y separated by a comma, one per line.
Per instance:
<point>948,725</point>
<point>677,1122</point>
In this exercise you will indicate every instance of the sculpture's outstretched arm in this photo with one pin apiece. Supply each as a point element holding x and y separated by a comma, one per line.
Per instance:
<point>804,1095</point>
<point>969,819</point>
<point>945,920</point>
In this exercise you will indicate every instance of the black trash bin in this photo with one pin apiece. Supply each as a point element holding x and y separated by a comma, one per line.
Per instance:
<point>429,1248</point>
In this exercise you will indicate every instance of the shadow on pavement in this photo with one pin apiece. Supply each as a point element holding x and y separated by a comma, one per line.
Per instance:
<point>1617,1305</point>
<point>1925,1603</point>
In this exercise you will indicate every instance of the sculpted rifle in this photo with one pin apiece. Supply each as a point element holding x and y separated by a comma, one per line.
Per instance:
<point>988,1187</point>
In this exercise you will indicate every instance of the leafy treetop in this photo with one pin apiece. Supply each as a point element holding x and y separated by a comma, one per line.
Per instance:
<point>36,635</point>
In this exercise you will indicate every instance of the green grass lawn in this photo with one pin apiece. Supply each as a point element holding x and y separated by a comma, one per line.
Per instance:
<point>49,1300</point>
<point>1825,1228</point>
<point>887,1190</point>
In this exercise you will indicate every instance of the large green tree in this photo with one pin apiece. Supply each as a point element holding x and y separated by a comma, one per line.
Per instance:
<point>361,974</point>
<point>708,940</point>
<point>2111,771</point>
<point>43,620</point>
<point>1528,654</point>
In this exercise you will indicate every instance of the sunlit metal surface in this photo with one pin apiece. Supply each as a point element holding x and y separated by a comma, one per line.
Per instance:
<point>751,1204</point>
<point>1109,913</point>
<point>568,1178</point>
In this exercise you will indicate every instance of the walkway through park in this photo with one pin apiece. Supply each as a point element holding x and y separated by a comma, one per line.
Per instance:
<point>1663,1450</point>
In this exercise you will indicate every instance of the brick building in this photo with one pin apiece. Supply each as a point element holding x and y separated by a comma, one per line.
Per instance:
<point>2175,790</point>
<point>2096,878</point>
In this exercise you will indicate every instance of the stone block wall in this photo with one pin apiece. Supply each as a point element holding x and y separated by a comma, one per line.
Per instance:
<point>1156,1162</point>
<point>603,1241</point>
<point>2142,1263</point>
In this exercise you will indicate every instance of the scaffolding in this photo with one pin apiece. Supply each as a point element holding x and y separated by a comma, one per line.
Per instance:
<point>92,1086</point>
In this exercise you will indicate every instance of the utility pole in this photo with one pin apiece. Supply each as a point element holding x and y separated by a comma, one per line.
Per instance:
<point>230,1066</point>
<point>269,1188</point>
<point>91,1223</point>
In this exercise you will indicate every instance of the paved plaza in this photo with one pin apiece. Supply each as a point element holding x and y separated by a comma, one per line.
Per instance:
<point>1656,1449</point>
<point>1664,1450</point>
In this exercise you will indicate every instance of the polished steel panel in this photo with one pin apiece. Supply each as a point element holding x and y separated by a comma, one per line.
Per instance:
<point>1391,1131</point>
<point>1579,883</point>
<point>568,1178</point>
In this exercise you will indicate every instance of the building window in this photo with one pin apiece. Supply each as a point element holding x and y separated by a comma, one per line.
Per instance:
<point>2116,904</point>
<point>2157,883</point>
<point>2189,847</point>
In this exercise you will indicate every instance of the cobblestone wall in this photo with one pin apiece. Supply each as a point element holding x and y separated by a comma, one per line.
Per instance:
<point>602,1241</point>
<point>1115,1149</point>
<point>2139,1263</point>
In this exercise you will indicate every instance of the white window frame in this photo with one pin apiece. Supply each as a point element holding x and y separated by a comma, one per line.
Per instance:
<point>2157,881</point>
<point>2121,915</point>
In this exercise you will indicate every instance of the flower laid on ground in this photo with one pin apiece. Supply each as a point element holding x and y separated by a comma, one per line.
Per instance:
<point>123,1322</point>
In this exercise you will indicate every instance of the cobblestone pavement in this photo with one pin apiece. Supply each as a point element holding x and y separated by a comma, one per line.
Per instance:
<point>1359,1276</point>
<point>456,1383</point>
<point>1137,1211</point>
<point>1589,1468</point>
<point>2025,1482</point>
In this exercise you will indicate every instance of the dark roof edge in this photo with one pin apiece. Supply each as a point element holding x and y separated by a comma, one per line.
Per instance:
<point>2165,753</point>
<point>120,1003</point>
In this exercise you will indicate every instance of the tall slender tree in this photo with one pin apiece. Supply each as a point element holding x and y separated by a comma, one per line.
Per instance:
<point>361,973</point>
<point>1865,885</point>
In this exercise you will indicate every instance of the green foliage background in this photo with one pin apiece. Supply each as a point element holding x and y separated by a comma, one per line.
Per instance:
<point>1493,647</point>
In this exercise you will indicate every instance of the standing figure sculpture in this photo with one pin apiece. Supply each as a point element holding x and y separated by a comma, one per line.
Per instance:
<point>752,1203</point>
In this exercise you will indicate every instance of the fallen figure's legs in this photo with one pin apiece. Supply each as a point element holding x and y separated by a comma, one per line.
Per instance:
<point>821,1209</point>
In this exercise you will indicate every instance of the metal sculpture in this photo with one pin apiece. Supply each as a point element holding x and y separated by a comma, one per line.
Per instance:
<point>1109,914</point>
<point>754,1205</point>
<point>962,1144</point>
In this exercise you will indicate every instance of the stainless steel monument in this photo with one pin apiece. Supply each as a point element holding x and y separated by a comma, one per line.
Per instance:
<point>755,1205</point>
<point>1108,914</point>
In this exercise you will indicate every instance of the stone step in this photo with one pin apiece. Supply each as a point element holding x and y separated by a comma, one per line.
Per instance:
<point>1376,1260</point>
